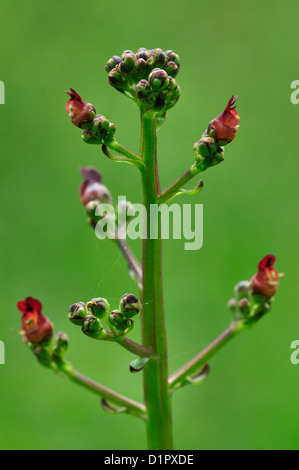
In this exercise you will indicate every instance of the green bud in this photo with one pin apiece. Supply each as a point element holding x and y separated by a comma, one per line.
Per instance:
<point>173,57</point>
<point>128,60</point>
<point>158,79</point>
<point>232,305</point>
<point>143,89</point>
<point>140,70</point>
<point>91,324</point>
<point>61,345</point>
<point>172,69</point>
<point>91,137</point>
<point>112,63</point>
<point>102,126</point>
<point>118,321</point>
<point>242,290</point>
<point>77,313</point>
<point>129,305</point>
<point>43,356</point>
<point>159,58</point>
<point>244,307</point>
<point>143,53</point>
<point>99,307</point>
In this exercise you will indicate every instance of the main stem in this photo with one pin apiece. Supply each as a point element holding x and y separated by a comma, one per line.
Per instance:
<point>156,391</point>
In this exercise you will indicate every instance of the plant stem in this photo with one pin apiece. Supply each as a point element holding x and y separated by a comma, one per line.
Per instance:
<point>131,259</point>
<point>157,396</point>
<point>171,191</point>
<point>131,406</point>
<point>198,361</point>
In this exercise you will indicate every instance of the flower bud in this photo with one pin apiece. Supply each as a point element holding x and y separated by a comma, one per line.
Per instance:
<point>77,313</point>
<point>92,189</point>
<point>80,112</point>
<point>112,63</point>
<point>143,53</point>
<point>36,328</point>
<point>172,69</point>
<point>159,58</point>
<point>143,89</point>
<point>91,324</point>
<point>173,57</point>
<point>129,305</point>
<point>232,305</point>
<point>118,321</point>
<point>103,127</point>
<point>266,281</point>
<point>43,356</point>
<point>128,60</point>
<point>242,289</point>
<point>158,79</point>
<point>62,342</point>
<point>244,307</point>
<point>224,127</point>
<point>99,307</point>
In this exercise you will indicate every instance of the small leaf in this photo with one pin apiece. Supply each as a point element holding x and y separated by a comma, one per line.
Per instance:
<point>112,409</point>
<point>200,377</point>
<point>138,364</point>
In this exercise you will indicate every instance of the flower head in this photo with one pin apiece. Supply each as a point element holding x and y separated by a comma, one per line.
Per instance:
<point>35,326</point>
<point>80,112</point>
<point>225,125</point>
<point>265,282</point>
<point>91,189</point>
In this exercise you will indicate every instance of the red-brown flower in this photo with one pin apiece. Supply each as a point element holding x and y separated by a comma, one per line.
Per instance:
<point>91,189</point>
<point>35,326</point>
<point>265,282</point>
<point>80,112</point>
<point>225,125</point>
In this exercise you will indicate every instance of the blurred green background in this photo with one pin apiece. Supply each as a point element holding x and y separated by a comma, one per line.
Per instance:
<point>250,400</point>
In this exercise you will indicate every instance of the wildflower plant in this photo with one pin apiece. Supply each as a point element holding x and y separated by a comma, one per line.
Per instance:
<point>149,79</point>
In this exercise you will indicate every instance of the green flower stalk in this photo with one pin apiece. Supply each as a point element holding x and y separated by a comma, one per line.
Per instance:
<point>149,79</point>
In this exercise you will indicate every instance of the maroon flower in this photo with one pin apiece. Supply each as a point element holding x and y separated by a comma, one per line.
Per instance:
<point>265,282</point>
<point>80,112</point>
<point>35,326</point>
<point>91,189</point>
<point>226,124</point>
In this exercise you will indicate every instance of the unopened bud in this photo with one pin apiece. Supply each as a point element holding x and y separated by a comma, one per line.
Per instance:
<point>242,289</point>
<point>158,79</point>
<point>244,307</point>
<point>91,324</point>
<point>232,305</point>
<point>77,313</point>
<point>43,356</point>
<point>159,58</point>
<point>62,342</point>
<point>172,69</point>
<point>129,305</point>
<point>173,57</point>
<point>112,63</point>
<point>118,321</point>
<point>99,307</point>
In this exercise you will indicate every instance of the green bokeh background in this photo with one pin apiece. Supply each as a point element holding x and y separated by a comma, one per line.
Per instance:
<point>250,209</point>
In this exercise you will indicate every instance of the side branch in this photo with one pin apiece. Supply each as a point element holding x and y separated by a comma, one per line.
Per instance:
<point>131,406</point>
<point>175,187</point>
<point>201,359</point>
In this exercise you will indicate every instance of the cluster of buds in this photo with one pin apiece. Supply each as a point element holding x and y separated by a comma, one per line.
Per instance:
<point>96,127</point>
<point>147,76</point>
<point>254,298</point>
<point>93,193</point>
<point>221,131</point>
<point>37,332</point>
<point>91,315</point>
